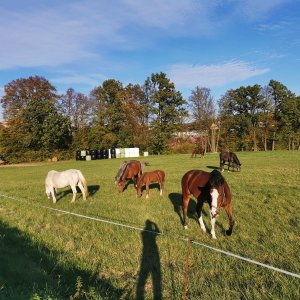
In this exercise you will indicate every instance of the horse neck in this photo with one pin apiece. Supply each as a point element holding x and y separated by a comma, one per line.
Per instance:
<point>227,192</point>
<point>124,175</point>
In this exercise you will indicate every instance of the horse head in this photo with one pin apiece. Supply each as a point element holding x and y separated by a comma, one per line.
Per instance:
<point>121,185</point>
<point>217,192</point>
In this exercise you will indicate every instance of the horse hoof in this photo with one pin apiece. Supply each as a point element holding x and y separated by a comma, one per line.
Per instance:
<point>185,227</point>
<point>228,232</point>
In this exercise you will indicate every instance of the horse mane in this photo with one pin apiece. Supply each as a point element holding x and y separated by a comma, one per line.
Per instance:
<point>121,171</point>
<point>216,178</point>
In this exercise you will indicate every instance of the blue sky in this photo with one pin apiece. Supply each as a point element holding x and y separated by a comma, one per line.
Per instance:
<point>219,44</point>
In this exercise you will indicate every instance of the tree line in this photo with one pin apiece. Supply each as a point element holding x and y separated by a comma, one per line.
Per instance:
<point>40,122</point>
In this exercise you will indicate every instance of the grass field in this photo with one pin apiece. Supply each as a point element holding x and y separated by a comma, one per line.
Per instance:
<point>47,254</point>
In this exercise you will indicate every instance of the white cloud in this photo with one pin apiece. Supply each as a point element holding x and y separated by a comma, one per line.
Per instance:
<point>91,80</point>
<point>189,76</point>
<point>255,9</point>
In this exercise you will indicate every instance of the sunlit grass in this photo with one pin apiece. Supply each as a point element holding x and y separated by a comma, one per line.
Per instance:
<point>49,254</point>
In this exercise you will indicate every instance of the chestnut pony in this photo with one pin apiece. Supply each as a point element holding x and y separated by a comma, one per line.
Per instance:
<point>132,171</point>
<point>150,177</point>
<point>207,187</point>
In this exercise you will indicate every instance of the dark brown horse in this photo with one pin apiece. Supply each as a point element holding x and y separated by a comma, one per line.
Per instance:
<point>198,150</point>
<point>207,187</point>
<point>231,159</point>
<point>132,170</point>
<point>150,177</point>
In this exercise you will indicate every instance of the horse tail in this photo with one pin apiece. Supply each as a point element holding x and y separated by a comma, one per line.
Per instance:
<point>216,178</point>
<point>83,181</point>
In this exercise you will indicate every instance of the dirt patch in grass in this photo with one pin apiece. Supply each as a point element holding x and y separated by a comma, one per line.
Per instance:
<point>29,164</point>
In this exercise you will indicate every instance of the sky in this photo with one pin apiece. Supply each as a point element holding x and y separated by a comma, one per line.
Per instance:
<point>218,44</point>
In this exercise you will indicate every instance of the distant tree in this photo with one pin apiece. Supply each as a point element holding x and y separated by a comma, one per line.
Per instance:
<point>203,111</point>
<point>108,116</point>
<point>267,123</point>
<point>167,110</point>
<point>77,107</point>
<point>46,128</point>
<point>244,105</point>
<point>30,108</point>
<point>287,110</point>
<point>20,92</point>
<point>135,130</point>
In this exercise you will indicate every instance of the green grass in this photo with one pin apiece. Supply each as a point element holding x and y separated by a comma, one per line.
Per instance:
<point>47,254</point>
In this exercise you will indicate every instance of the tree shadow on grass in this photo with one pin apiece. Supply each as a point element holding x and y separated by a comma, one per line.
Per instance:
<point>27,268</point>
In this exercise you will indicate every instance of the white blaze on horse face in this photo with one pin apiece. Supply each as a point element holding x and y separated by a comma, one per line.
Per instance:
<point>214,202</point>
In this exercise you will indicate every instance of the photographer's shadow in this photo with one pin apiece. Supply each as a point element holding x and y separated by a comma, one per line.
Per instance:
<point>150,263</point>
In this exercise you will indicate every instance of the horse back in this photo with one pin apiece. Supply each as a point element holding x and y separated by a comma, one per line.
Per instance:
<point>152,176</point>
<point>193,180</point>
<point>132,169</point>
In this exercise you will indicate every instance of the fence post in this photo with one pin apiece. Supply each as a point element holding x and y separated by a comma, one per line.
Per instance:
<point>186,268</point>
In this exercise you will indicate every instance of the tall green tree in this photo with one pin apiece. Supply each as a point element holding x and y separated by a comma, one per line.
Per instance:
<point>287,111</point>
<point>167,109</point>
<point>30,109</point>
<point>244,105</point>
<point>108,116</point>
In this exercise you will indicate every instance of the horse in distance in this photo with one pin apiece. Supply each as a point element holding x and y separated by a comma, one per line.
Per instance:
<point>131,170</point>
<point>231,160</point>
<point>150,177</point>
<point>207,187</point>
<point>72,178</point>
<point>198,150</point>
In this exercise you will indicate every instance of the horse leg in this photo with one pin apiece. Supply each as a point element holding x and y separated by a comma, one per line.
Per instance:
<point>161,186</point>
<point>147,190</point>
<point>200,219</point>
<point>222,165</point>
<point>80,185</point>
<point>212,232</point>
<point>185,204</point>
<point>73,187</point>
<point>228,210</point>
<point>52,191</point>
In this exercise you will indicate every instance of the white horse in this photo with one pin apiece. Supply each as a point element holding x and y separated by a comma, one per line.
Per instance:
<point>72,177</point>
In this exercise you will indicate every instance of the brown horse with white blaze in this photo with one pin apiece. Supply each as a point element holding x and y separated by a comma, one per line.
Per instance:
<point>207,187</point>
<point>132,171</point>
<point>150,177</point>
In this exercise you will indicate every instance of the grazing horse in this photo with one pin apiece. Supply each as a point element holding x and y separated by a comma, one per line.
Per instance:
<point>131,170</point>
<point>231,159</point>
<point>207,187</point>
<point>72,177</point>
<point>198,150</point>
<point>150,177</point>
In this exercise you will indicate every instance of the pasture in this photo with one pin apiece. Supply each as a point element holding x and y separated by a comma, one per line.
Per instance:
<point>47,254</point>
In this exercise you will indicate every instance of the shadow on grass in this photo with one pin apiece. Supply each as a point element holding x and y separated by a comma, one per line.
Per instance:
<point>92,189</point>
<point>152,186</point>
<point>27,269</point>
<point>214,168</point>
<point>150,263</point>
<point>176,200</point>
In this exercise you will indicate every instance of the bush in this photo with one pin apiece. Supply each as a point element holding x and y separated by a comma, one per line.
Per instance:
<point>182,148</point>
